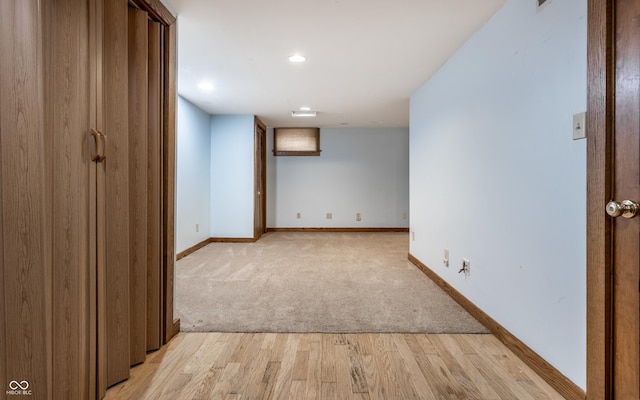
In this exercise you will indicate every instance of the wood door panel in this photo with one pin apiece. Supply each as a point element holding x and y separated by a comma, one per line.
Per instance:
<point>170,94</point>
<point>116,121</point>
<point>626,232</point>
<point>25,262</point>
<point>599,186</point>
<point>154,188</point>
<point>138,150</point>
<point>67,111</point>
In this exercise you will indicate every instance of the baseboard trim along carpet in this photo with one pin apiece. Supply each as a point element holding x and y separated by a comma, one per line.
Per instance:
<point>555,378</point>
<point>205,242</point>
<point>232,240</point>
<point>337,229</point>
<point>193,249</point>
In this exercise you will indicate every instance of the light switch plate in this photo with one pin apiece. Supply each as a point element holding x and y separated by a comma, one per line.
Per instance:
<point>580,126</point>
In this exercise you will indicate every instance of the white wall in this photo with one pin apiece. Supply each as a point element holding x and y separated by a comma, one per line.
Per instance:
<point>193,175</point>
<point>232,171</point>
<point>359,171</point>
<point>496,177</point>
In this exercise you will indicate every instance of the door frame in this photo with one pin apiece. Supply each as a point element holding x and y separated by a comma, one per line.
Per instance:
<point>260,175</point>
<point>600,123</point>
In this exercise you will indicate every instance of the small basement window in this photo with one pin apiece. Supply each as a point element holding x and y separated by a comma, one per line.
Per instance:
<point>296,142</point>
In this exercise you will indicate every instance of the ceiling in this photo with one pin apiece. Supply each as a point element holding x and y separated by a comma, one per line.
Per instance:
<point>364,57</point>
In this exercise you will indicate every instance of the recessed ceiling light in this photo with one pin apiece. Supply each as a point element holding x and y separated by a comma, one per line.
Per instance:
<point>305,108</point>
<point>205,86</point>
<point>297,58</point>
<point>303,113</point>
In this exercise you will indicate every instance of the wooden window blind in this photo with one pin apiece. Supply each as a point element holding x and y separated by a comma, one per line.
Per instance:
<point>296,142</point>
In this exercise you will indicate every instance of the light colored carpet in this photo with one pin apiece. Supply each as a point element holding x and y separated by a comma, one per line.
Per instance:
<point>321,282</point>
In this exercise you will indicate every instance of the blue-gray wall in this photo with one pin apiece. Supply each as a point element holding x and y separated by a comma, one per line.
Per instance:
<point>232,172</point>
<point>360,170</point>
<point>495,176</point>
<point>193,201</point>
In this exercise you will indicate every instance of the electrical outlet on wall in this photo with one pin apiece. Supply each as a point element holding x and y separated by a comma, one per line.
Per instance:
<point>466,267</point>
<point>298,216</point>
<point>445,259</point>
<point>329,216</point>
<point>358,217</point>
<point>197,227</point>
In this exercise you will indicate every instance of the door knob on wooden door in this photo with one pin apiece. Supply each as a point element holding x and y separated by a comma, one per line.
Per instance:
<point>626,208</point>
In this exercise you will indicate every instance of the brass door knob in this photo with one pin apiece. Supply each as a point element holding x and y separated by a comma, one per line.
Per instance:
<point>626,208</point>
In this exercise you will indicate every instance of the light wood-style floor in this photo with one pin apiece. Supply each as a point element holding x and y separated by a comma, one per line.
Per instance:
<point>332,366</point>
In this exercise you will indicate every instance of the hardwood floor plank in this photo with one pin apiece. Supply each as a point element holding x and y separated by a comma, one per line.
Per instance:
<point>427,346</point>
<point>205,356</point>
<point>358,376</point>
<point>366,348</point>
<point>314,370</point>
<point>269,341</point>
<point>283,381</point>
<point>374,384</point>
<point>328,391</point>
<point>248,363</point>
<point>332,366</point>
<point>328,360</point>
<point>442,378</point>
<point>452,355</point>
<point>240,351</point>
<point>491,348</point>
<point>268,384</point>
<point>418,379</point>
<point>344,389</point>
<point>297,390</point>
<point>383,364</point>
<point>225,382</point>
<point>209,381</point>
<point>278,347</point>
<point>301,366</point>
<point>404,380</point>
<point>505,389</point>
<point>253,381</point>
<point>484,389</point>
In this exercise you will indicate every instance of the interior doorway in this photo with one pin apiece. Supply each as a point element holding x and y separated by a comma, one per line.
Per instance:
<point>613,174</point>
<point>260,202</point>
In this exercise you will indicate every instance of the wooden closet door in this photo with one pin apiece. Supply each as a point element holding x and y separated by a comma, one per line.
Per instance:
<point>67,160</point>
<point>116,127</point>
<point>138,153</point>
<point>44,191</point>
<point>154,187</point>
<point>64,219</point>
<point>25,250</point>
